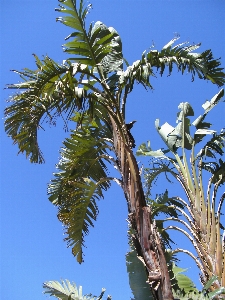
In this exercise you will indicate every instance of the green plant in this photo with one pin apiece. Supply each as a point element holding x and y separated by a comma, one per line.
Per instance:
<point>200,214</point>
<point>89,90</point>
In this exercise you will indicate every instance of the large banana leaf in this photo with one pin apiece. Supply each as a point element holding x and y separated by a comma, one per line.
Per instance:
<point>181,283</point>
<point>137,276</point>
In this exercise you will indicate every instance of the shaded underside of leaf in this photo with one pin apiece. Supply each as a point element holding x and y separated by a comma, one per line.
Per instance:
<point>137,277</point>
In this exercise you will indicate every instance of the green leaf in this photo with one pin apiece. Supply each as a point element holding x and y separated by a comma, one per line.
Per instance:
<point>49,92</point>
<point>166,240</point>
<point>137,277</point>
<point>216,293</point>
<point>183,281</point>
<point>180,135</point>
<point>209,283</point>
<point>214,146</point>
<point>99,46</point>
<point>147,151</point>
<point>82,178</point>
<point>67,291</point>
<point>166,205</point>
<point>202,64</point>
<point>208,105</point>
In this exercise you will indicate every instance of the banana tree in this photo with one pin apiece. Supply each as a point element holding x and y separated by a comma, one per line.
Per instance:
<point>201,212</point>
<point>89,90</point>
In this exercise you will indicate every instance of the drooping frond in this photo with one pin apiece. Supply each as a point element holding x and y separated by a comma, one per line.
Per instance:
<point>81,179</point>
<point>68,291</point>
<point>113,61</point>
<point>182,56</point>
<point>50,91</point>
<point>140,71</point>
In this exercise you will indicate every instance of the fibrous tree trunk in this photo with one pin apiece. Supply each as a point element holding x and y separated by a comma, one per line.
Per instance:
<point>146,238</point>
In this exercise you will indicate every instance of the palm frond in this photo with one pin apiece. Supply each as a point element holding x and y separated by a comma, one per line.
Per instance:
<point>53,90</point>
<point>139,71</point>
<point>204,294</point>
<point>50,91</point>
<point>81,179</point>
<point>100,47</point>
<point>202,64</point>
<point>67,291</point>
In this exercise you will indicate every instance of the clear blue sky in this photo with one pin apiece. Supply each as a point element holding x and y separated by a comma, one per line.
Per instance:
<point>32,247</point>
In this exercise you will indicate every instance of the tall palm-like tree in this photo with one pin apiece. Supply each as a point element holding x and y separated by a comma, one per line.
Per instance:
<point>91,88</point>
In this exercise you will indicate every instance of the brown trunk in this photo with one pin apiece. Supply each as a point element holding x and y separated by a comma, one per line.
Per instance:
<point>146,239</point>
